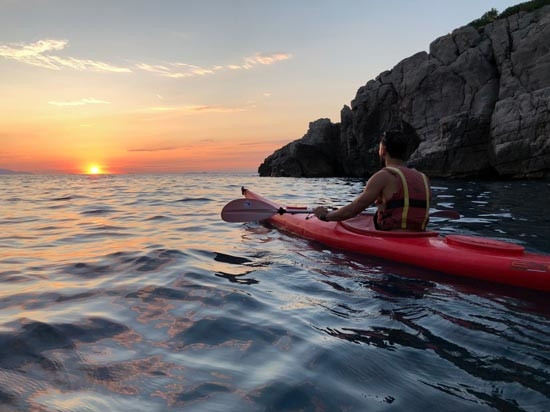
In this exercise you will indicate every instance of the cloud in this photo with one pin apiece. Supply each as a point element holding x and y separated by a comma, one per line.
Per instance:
<point>267,59</point>
<point>40,54</point>
<point>167,146</point>
<point>155,148</point>
<point>193,109</point>
<point>177,70</point>
<point>162,70</point>
<point>262,59</point>
<point>214,108</point>
<point>81,102</point>
<point>44,53</point>
<point>86,65</point>
<point>279,142</point>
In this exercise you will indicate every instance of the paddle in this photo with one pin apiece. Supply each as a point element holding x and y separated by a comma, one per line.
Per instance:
<point>250,210</point>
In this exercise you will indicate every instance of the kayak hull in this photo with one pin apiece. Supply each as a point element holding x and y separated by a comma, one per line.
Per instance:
<point>467,256</point>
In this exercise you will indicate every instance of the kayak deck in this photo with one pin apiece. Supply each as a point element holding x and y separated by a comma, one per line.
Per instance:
<point>460,255</point>
<point>364,225</point>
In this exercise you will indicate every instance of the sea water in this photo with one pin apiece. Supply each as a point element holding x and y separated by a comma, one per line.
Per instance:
<point>129,293</point>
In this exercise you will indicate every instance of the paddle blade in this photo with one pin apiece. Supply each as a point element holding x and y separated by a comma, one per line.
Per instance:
<point>247,210</point>
<point>448,214</point>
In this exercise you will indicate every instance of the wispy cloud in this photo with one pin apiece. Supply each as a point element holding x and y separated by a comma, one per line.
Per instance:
<point>178,70</point>
<point>166,70</point>
<point>40,54</point>
<point>263,143</point>
<point>81,102</point>
<point>215,109</point>
<point>170,146</point>
<point>45,54</point>
<point>266,59</point>
<point>155,148</point>
<point>195,109</point>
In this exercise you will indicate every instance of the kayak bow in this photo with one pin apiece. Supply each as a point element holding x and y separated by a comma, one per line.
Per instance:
<point>460,255</point>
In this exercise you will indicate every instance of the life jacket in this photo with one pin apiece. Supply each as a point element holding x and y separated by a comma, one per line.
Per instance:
<point>409,207</point>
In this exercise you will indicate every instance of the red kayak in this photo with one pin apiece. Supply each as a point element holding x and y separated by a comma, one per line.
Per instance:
<point>460,255</point>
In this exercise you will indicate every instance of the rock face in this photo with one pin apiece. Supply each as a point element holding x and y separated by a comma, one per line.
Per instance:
<point>312,155</point>
<point>479,102</point>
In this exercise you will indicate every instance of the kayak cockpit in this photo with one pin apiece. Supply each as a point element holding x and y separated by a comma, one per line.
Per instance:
<point>363,224</point>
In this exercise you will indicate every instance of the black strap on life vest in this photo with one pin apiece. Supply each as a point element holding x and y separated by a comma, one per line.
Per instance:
<point>397,203</point>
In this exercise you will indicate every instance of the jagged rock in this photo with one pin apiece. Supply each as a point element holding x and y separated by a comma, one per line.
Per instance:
<point>479,102</point>
<point>281,163</point>
<point>311,156</point>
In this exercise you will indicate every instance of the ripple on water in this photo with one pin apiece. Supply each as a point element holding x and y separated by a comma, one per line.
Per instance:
<point>194,199</point>
<point>99,211</point>
<point>61,199</point>
<point>159,217</point>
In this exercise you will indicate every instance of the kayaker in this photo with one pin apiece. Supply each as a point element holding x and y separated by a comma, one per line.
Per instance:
<point>401,194</point>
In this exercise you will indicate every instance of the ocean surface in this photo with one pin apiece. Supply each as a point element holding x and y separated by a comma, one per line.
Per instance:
<point>129,293</point>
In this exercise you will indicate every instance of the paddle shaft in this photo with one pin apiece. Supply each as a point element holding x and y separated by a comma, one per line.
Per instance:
<point>449,214</point>
<point>249,210</point>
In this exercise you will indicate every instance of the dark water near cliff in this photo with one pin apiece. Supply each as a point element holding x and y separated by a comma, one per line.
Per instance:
<point>128,293</point>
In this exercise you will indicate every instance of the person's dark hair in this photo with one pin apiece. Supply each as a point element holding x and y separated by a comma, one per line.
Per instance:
<point>396,143</point>
<point>400,140</point>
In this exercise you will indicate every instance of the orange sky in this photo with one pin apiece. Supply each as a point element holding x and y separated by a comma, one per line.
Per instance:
<point>142,141</point>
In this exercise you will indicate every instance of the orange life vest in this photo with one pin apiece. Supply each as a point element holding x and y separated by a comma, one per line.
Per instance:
<point>409,207</point>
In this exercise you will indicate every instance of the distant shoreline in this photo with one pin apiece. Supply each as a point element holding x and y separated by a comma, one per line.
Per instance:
<point>6,172</point>
<point>13,172</point>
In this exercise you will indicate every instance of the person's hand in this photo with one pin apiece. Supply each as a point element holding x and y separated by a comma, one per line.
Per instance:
<point>321,212</point>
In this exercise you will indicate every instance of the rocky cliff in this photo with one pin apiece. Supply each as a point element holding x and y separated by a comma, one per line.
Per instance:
<point>479,102</point>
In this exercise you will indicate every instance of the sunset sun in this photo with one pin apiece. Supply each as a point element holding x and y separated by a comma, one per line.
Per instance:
<point>94,170</point>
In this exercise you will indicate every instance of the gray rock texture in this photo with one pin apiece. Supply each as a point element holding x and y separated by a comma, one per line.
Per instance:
<point>479,102</point>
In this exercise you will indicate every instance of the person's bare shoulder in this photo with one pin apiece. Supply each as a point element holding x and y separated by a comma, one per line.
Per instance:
<point>377,182</point>
<point>382,176</point>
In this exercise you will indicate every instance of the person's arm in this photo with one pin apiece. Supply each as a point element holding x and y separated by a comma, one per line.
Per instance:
<point>373,189</point>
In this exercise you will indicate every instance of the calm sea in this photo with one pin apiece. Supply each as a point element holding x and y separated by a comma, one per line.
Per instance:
<point>129,293</point>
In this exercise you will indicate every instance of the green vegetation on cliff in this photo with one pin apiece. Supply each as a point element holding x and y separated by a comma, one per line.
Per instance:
<point>493,14</point>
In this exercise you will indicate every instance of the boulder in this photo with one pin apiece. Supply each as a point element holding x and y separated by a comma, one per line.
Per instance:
<point>314,155</point>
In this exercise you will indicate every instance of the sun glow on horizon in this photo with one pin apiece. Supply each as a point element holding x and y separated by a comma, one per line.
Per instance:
<point>94,170</point>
